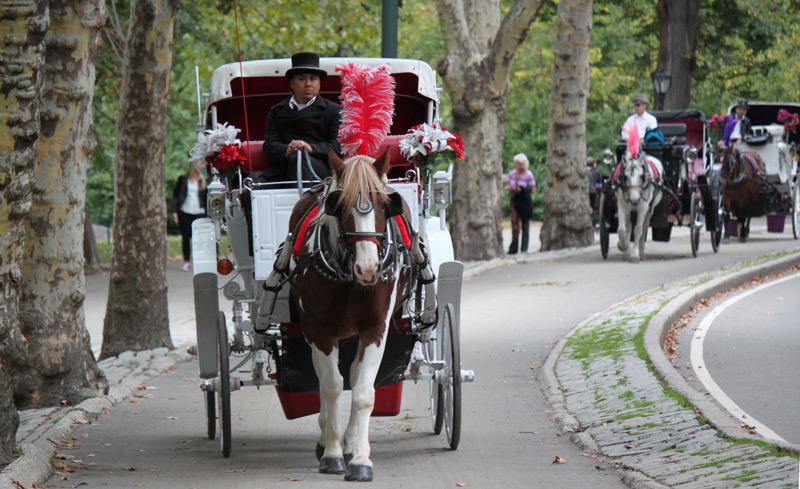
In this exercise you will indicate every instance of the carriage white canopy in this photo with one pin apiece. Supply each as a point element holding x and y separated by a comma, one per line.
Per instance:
<point>221,79</point>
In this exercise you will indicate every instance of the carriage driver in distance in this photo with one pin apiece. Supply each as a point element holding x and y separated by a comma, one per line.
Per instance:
<point>305,121</point>
<point>645,120</point>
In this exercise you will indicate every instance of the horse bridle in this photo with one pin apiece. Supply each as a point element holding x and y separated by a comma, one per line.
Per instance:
<point>389,249</point>
<point>648,179</point>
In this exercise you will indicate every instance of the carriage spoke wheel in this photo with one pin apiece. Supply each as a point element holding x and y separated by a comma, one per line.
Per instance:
<point>436,390</point>
<point>211,413</point>
<point>224,392</point>
<point>716,236</point>
<point>451,376</point>
<point>695,222</point>
<point>604,225</point>
<point>796,209</point>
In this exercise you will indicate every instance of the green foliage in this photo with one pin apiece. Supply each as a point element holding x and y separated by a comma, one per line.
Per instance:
<point>745,49</point>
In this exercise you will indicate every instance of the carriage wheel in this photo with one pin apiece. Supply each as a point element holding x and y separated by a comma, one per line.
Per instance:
<point>434,346</point>
<point>695,222</point>
<point>224,392</point>
<point>604,225</point>
<point>716,236</point>
<point>211,414</point>
<point>796,209</point>
<point>451,376</point>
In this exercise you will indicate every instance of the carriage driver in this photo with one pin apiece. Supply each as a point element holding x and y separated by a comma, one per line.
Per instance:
<point>645,120</point>
<point>303,121</point>
<point>737,125</point>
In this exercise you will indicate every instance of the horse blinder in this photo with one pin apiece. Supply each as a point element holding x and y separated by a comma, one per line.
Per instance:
<point>394,207</point>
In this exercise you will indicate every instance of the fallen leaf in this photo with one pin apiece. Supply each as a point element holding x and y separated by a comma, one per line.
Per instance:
<point>233,471</point>
<point>559,460</point>
<point>173,417</point>
<point>460,484</point>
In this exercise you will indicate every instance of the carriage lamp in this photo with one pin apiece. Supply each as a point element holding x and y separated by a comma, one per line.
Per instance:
<point>442,196</point>
<point>216,199</point>
<point>661,83</point>
<point>608,157</point>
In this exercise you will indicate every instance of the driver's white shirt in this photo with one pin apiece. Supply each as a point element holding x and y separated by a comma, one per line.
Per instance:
<point>645,121</point>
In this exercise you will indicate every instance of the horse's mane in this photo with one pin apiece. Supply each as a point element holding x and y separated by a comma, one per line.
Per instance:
<point>361,178</point>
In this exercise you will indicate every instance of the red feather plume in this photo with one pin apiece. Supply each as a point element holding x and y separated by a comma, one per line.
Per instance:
<point>633,140</point>
<point>367,108</point>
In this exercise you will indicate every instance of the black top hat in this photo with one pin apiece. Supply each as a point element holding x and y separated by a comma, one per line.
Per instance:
<point>305,63</point>
<point>742,104</point>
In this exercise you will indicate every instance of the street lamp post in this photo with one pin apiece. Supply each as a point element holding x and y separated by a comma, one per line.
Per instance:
<point>661,82</point>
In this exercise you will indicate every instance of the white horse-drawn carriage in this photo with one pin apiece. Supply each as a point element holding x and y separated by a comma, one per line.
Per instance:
<point>664,181</point>
<point>269,290</point>
<point>759,173</point>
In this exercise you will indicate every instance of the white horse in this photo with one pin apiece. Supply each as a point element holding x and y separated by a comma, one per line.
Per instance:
<point>638,182</point>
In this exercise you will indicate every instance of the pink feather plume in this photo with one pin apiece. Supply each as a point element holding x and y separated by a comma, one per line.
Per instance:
<point>633,140</point>
<point>367,108</point>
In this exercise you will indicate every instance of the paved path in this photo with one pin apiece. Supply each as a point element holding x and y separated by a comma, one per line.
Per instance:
<point>599,380</point>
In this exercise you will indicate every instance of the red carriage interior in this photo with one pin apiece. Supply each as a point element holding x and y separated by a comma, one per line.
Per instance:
<point>263,92</point>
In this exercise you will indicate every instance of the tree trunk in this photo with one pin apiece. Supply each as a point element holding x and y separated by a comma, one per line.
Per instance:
<point>61,366</point>
<point>677,20</point>
<point>480,52</point>
<point>567,218</point>
<point>136,314</point>
<point>90,253</point>
<point>24,24</point>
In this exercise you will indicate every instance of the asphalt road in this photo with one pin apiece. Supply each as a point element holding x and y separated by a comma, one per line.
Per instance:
<point>743,352</point>
<point>511,317</point>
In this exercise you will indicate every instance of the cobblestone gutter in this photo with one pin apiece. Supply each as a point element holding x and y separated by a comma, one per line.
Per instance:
<point>612,387</point>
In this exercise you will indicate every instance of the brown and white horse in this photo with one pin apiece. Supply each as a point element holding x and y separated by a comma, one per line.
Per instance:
<point>740,176</point>
<point>356,281</point>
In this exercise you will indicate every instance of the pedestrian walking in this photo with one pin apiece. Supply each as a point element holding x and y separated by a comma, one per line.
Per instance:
<point>189,204</point>
<point>521,186</point>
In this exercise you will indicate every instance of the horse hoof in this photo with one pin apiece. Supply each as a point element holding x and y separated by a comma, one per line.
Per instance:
<point>348,457</point>
<point>634,259</point>
<point>320,452</point>
<point>358,473</point>
<point>331,466</point>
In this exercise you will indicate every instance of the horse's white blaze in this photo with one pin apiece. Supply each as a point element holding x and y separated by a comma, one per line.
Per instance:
<point>366,259</point>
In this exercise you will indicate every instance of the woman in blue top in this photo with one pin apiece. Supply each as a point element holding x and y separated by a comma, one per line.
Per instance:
<point>521,186</point>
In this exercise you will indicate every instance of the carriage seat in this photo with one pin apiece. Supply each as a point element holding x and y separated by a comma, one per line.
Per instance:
<point>258,161</point>
<point>673,133</point>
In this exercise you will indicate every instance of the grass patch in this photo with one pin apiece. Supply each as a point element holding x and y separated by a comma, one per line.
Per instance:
<point>17,451</point>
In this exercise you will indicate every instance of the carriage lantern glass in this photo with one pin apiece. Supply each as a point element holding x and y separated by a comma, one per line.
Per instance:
<point>661,83</point>
<point>442,195</point>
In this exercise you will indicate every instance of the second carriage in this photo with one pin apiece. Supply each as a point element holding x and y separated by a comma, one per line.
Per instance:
<point>774,139</point>
<point>266,346</point>
<point>691,188</point>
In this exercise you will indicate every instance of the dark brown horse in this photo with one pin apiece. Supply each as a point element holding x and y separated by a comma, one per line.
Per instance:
<point>740,176</point>
<point>356,281</point>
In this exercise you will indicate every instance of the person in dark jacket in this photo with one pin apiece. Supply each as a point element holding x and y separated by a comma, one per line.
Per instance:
<point>188,205</point>
<point>305,121</point>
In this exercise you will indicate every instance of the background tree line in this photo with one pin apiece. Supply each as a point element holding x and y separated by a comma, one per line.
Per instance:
<point>744,50</point>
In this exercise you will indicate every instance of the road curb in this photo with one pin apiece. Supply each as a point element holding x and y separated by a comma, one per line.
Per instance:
<point>672,311</point>
<point>657,326</point>
<point>126,373</point>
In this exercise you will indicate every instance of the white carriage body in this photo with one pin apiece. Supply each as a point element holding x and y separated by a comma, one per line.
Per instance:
<point>771,142</point>
<point>254,245</point>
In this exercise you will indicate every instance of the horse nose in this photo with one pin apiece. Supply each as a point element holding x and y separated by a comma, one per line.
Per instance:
<point>366,273</point>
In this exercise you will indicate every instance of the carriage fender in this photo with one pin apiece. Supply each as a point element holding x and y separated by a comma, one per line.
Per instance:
<point>206,308</point>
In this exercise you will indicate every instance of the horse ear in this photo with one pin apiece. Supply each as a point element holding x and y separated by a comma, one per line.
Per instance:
<point>336,163</point>
<point>394,207</point>
<point>383,163</point>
